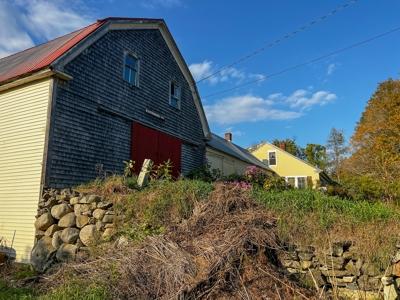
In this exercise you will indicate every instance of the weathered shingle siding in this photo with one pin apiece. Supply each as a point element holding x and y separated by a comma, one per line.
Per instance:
<point>83,136</point>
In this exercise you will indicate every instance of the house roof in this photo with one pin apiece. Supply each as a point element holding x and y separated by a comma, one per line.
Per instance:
<point>54,54</point>
<point>230,148</point>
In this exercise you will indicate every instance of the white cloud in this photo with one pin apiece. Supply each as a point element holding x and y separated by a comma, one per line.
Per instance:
<point>13,38</point>
<point>234,133</point>
<point>250,108</point>
<point>245,108</point>
<point>152,4</point>
<point>51,19</point>
<point>201,70</point>
<point>301,99</point>
<point>23,20</point>
<point>332,67</point>
<point>206,68</point>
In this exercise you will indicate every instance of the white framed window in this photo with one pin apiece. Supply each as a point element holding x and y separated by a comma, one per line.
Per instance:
<point>297,181</point>
<point>272,161</point>
<point>291,181</point>
<point>131,69</point>
<point>174,95</point>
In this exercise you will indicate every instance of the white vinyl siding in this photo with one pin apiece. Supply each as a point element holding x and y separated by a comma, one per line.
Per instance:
<point>215,160</point>
<point>227,164</point>
<point>23,118</point>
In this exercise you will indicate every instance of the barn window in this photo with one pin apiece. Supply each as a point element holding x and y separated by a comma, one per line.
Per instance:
<point>175,95</point>
<point>131,67</point>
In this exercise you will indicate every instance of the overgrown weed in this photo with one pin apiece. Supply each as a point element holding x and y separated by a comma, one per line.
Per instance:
<point>307,217</point>
<point>160,204</point>
<point>115,187</point>
<point>7,292</point>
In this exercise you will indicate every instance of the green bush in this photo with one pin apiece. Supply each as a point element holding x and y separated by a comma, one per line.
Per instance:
<point>205,173</point>
<point>361,187</point>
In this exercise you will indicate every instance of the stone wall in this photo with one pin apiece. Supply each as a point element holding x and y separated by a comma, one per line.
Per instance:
<point>68,221</point>
<point>342,267</point>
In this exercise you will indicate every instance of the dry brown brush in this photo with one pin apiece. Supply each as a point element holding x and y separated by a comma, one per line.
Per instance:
<point>226,250</point>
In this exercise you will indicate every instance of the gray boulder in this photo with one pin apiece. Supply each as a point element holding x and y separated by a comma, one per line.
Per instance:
<point>81,208</point>
<point>74,200</point>
<point>69,220</point>
<point>59,211</point>
<point>41,254</point>
<point>82,221</point>
<point>88,234</point>
<point>108,233</point>
<point>90,199</point>
<point>39,234</point>
<point>108,219</point>
<point>66,252</point>
<point>52,229</point>
<point>104,205</point>
<point>57,241</point>
<point>99,213</point>
<point>44,221</point>
<point>69,235</point>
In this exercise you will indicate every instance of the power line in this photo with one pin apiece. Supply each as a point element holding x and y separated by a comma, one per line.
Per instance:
<point>277,41</point>
<point>303,64</point>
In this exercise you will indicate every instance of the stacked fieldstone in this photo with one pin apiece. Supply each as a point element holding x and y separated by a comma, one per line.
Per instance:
<point>68,221</point>
<point>343,268</point>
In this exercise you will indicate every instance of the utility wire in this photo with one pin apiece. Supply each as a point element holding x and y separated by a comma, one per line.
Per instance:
<point>303,64</point>
<point>277,41</point>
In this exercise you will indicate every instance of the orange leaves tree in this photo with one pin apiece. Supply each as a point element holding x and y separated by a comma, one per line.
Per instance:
<point>376,142</point>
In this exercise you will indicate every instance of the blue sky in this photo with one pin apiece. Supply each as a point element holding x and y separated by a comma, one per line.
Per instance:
<point>304,103</point>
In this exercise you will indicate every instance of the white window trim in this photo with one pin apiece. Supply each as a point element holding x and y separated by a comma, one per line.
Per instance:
<point>276,158</point>
<point>127,52</point>
<point>172,82</point>
<point>296,181</point>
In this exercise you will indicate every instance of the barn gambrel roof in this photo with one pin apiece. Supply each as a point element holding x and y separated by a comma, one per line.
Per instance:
<point>49,58</point>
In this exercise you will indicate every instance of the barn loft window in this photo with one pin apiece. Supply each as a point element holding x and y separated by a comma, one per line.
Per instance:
<point>175,95</point>
<point>131,69</point>
<point>272,158</point>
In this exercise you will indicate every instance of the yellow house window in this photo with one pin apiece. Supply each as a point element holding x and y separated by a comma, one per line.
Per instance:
<point>299,182</point>
<point>272,158</point>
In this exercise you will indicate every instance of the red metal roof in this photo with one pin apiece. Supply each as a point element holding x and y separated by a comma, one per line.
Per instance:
<point>36,58</point>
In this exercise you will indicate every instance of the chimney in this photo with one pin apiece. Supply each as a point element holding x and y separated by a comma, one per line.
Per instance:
<point>228,136</point>
<point>282,145</point>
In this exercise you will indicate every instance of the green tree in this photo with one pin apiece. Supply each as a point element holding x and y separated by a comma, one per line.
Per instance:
<point>316,155</point>
<point>290,147</point>
<point>336,147</point>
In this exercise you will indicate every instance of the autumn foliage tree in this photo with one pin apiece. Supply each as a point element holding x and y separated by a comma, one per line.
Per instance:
<point>376,141</point>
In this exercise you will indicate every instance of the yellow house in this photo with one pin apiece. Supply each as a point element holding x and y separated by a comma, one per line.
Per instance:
<point>296,172</point>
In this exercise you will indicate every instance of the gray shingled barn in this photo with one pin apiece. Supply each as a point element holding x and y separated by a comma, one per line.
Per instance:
<point>116,90</point>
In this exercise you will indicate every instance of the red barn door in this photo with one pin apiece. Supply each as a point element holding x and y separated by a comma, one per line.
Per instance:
<point>155,145</point>
<point>170,148</point>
